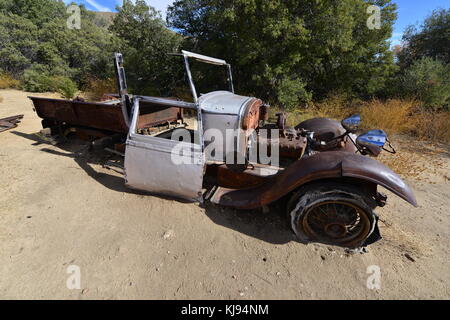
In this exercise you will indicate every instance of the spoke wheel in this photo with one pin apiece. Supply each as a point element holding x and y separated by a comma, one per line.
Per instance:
<point>336,221</point>
<point>333,214</point>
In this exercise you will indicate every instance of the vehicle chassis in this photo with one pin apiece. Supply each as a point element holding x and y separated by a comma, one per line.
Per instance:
<point>320,169</point>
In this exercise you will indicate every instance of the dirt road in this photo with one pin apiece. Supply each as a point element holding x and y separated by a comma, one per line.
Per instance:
<point>59,208</point>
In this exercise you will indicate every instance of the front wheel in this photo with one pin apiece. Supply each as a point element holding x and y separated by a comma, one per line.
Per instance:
<point>333,214</point>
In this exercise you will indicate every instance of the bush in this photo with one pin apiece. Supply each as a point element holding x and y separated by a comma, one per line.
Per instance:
<point>429,81</point>
<point>38,79</point>
<point>8,82</point>
<point>393,116</point>
<point>292,92</point>
<point>96,88</point>
<point>66,87</point>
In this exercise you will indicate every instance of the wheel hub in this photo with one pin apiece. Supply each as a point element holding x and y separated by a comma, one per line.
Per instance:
<point>335,230</point>
<point>336,221</point>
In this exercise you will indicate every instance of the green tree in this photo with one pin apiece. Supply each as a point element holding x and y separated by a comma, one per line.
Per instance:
<point>18,43</point>
<point>34,37</point>
<point>287,51</point>
<point>145,43</point>
<point>36,11</point>
<point>431,39</point>
<point>428,80</point>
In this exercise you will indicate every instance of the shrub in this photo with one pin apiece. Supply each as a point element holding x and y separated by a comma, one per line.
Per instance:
<point>66,87</point>
<point>395,116</point>
<point>37,79</point>
<point>96,88</point>
<point>291,92</point>
<point>429,81</point>
<point>337,106</point>
<point>8,82</point>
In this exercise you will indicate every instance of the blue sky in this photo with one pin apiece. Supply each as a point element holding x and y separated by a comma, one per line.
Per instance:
<point>409,11</point>
<point>412,12</point>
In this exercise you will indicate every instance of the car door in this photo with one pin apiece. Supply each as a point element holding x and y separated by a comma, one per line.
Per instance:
<point>155,164</point>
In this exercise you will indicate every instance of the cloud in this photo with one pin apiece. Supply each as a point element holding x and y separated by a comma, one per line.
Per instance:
<point>98,6</point>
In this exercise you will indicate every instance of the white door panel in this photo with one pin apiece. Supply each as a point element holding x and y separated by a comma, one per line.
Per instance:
<point>151,165</point>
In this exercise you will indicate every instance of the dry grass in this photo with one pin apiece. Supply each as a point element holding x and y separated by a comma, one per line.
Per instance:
<point>433,126</point>
<point>96,88</point>
<point>395,116</point>
<point>407,117</point>
<point>8,82</point>
<point>421,136</point>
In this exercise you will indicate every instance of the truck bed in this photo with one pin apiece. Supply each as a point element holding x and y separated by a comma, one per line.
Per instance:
<point>103,116</point>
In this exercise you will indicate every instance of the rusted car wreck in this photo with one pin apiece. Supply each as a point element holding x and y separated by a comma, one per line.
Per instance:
<point>323,170</point>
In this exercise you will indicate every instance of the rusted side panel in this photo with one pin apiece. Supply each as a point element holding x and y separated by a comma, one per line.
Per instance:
<point>298,173</point>
<point>10,122</point>
<point>101,116</point>
<point>226,178</point>
<point>152,115</point>
<point>88,114</point>
<point>325,165</point>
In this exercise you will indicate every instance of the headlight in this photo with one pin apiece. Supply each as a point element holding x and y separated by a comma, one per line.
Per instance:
<point>351,123</point>
<point>372,142</point>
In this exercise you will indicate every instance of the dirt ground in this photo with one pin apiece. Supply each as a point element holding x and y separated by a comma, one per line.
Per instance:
<point>59,207</point>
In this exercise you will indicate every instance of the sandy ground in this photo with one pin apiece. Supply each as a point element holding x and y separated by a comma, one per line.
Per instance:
<point>59,208</point>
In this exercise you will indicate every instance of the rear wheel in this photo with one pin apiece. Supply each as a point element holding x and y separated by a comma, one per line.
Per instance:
<point>335,214</point>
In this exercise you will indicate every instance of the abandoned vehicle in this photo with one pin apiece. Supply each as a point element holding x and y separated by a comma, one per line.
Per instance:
<point>325,173</point>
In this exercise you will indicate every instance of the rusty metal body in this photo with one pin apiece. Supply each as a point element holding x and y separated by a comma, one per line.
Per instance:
<point>100,116</point>
<point>222,110</point>
<point>105,117</point>
<point>319,167</point>
<point>318,150</point>
<point>315,153</point>
<point>328,130</point>
<point>10,122</point>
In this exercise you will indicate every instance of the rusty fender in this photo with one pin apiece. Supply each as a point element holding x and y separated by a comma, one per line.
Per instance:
<point>324,165</point>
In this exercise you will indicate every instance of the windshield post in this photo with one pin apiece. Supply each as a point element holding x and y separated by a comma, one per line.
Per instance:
<point>230,78</point>
<point>209,60</point>
<point>191,81</point>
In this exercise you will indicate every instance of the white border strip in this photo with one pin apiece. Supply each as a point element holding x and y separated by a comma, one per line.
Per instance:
<point>203,58</point>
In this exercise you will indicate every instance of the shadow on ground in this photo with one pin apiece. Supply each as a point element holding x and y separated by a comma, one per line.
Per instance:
<point>271,226</point>
<point>84,157</point>
<point>268,226</point>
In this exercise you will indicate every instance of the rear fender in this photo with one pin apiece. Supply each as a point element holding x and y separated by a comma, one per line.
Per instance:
<point>324,165</point>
